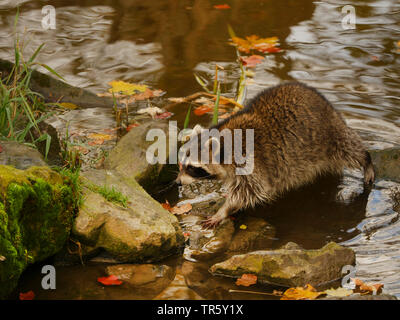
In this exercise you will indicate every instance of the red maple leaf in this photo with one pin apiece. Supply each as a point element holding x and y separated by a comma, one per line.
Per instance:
<point>30,295</point>
<point>222,6</point>
<point>109,281</point>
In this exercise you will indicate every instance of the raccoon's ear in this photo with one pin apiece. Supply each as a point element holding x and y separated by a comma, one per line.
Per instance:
<point>215,151</point>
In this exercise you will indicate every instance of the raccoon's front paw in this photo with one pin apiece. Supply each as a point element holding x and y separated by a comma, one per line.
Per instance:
<point>213,221</point>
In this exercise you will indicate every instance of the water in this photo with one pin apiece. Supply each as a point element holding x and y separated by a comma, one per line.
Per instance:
<point>161,44</point>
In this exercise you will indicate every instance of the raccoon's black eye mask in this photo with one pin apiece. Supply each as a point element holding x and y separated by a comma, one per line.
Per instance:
<point>199,173</point>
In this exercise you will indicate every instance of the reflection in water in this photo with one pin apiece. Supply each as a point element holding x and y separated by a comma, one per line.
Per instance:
<point>161,43</point>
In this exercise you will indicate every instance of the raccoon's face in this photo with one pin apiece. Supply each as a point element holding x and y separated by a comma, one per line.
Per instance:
<point>190,173</point>
<point>191,168</point>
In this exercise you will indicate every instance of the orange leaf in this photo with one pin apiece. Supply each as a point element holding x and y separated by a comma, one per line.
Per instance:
<point>166,205</point>
<point>95,142</point>
<point>365,288</point>
<point>185,208</point>
<point>251,61</point>
<point>199,111</point>
<point>132,125</point>
<point>163,115</point>
<point>300,293</point>
<point>110,281</point>
<point>246,280</point>
<point>30,295</point>
<point>222,6</point>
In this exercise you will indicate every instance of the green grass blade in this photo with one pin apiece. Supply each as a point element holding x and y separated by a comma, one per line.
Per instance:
<point>231,32</point>
<point>215,116</point>
<point>201,82</point>
<point>33,57</point>
<point>185,125</point>
<point>49,69</point>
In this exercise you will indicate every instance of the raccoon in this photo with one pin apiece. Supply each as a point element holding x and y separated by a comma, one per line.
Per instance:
<point>298,136</point>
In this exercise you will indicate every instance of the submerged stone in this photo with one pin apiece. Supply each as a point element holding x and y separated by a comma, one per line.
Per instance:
<point>290,265</point>
<point>19,155</point>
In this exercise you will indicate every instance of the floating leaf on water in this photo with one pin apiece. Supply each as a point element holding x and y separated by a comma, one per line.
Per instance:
<point>164,115</point>
<point>252,60</point>
<point>199,111</point>
<point>109,281</point>
<point>30,295</point>
<point>97,136</point>
<point>254,42</point>
<point>222,6</point>
<point>246,280</point>
<point>339,292</point>
<point>300,293</point>
<point>126,88</point>
<point>68,105</point>
<point>366,288</point>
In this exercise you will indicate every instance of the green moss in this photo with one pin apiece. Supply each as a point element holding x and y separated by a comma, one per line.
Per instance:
<point>110,194</point>
<point>36,214</point>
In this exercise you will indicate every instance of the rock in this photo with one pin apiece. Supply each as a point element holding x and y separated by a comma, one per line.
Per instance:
<point>19,155</point>
<point>54,153</point>
<point>142,232</point>
<point>387,163</point>
<point>129,157</point>
<point>36,214</point>
<point>290,265</point>
<point>258,235</point>
<point>141,275</point>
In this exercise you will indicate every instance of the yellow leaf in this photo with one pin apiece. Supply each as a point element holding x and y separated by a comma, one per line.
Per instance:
<point>300,293</point>
<point>68,105</point>
<point>339,292</point>
<point>126,88</point>
<point>243,227</point>
<point>99,136</point>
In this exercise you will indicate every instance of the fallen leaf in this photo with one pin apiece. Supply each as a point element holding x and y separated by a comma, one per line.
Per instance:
<point>163,115</point>
<point>203,100</point>
<point>366,288</point>
<point>254,42</point>
<point>243,227</point>
<point>68,105</point>
<point>2,258</point>
<point>95,142</point>
<point>246,280</point>
<point>300,293</point>
<point>251,61</point>
<point>339,292</point>
<point>199,111</point>
<point>97,136</point>
<point>126,88</point>
<point>178,210</point>
<point>222,6</point>
<point>81,149</point>
<point>132,125</point>
<point>109,281</point>
<point>166,205</point>
<point>177,100</point>
<point>152,111</point>
<point>30,295</point>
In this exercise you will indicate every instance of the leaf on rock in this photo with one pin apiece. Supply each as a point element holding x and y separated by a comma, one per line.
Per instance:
<point>126,88</point>
<point>30,295</point>
<point>246,280</point>
<point>152,111</point>
<point>178,210</point>
<point>132,125</point>
<point>109,281</point>
<point>300,293</point>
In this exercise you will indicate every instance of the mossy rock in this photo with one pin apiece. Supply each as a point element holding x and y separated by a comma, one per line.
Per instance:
<point>36,215</point>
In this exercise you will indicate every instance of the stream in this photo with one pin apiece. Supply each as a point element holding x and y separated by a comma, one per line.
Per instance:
<point>162,43</point>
